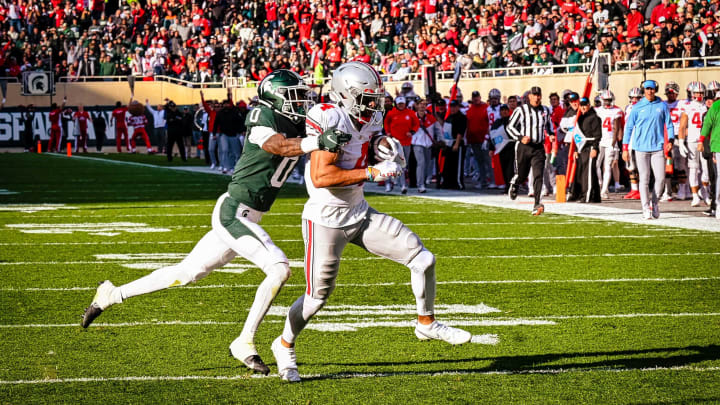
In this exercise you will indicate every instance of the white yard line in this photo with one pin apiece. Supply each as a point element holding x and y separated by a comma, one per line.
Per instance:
<point>391,284</point>
<point>120,242</point>
<point>672,234</point>
<point>540,371</point>
<point>327,326</point>
<point>549,256</point>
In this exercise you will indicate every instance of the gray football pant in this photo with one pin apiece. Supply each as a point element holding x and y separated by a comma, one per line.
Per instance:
<point>647,162</point>
<point>379,234</point>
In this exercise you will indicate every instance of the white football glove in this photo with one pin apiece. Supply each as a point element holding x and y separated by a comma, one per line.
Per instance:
<point>683,148</point>
<point>386,169</point>
<point>394,154</point>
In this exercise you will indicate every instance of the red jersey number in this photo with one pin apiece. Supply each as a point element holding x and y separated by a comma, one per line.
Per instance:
<point>607,124</point>
<point>674,116</point>
<point>696,120</point>
<point>362,160</point>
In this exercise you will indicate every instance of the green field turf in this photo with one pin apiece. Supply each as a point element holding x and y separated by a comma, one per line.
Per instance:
<point>614,313</point>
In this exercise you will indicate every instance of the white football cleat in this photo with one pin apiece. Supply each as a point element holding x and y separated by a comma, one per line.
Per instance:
<point>666,197</point>
<point>286,361</point>
<point>695,201</point>
<point>248,355</point>
<point>388,186</point>
<point>647,214</point>
<point>605,196</point>
<point>439,331</point>
<point>105,296</point>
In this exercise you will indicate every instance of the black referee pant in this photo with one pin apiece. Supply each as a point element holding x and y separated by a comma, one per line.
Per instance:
<point>527,156</point>
<point>507,163</point>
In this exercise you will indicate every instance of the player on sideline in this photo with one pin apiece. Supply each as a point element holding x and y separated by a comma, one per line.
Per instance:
<point>336,213</point>
<point>276,139</point>
<point>692,114</point>
<point>611,117</point>
<point>672,91</point>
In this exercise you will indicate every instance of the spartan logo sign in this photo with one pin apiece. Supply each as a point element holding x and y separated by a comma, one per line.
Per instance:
<point>37,83</point>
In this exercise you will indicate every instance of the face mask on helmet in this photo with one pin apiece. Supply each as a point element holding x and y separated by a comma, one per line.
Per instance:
<point>698,96</point>
<point>296,103</point>
<point>368,104</point>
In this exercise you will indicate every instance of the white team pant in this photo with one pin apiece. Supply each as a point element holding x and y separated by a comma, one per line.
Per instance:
<point>234,232</point>
<point>697,166</point>
<point>379,234</point>
<point>606,157</point>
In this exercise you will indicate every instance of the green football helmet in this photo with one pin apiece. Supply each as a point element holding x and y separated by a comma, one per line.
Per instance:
<point>285,92</point>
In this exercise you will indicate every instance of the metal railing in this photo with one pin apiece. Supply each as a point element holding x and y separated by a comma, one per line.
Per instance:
<point>514,71</point>
<point>674,63</point>
<point>159,78</point>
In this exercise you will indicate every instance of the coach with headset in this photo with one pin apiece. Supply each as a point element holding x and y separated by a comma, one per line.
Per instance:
<point>645,134</point>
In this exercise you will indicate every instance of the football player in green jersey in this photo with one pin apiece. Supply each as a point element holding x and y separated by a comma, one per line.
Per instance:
<point>275,140</point>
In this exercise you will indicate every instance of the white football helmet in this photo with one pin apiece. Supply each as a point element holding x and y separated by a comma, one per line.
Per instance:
<point>712,88</point>
<point>358,89</point>
<point>694,88</point>
<point>607,97</point>
<point>635,92</point>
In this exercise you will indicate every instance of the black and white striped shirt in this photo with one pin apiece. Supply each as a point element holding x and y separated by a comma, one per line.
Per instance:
<point>530,121</point>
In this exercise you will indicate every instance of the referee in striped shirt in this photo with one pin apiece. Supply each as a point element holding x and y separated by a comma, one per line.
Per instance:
<point>529,124</point>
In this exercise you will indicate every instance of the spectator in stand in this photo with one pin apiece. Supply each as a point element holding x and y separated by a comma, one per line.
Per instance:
<point>401,123</point>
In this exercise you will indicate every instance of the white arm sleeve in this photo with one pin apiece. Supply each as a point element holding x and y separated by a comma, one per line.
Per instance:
<point>259,135</point>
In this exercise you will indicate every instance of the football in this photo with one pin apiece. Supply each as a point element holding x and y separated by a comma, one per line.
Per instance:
<point>136,108</point>
<point>375,142</point>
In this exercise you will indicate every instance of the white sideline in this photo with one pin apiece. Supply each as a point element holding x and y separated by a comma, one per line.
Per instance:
<point>550,371</point>
<point>587,211</point>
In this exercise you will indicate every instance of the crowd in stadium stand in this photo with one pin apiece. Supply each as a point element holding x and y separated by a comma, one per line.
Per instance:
<point>213,39</point>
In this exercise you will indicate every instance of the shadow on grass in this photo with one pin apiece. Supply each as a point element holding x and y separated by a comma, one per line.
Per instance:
<point>52,178</point>
<point>548,363</point>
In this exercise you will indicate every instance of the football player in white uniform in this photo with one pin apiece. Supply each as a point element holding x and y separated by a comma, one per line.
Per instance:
<point>634,95</point>
<point>672,90</point>
<point>692,114</point>
<point>493,109</point>
<point>611,118</point>
<point>337,214</point>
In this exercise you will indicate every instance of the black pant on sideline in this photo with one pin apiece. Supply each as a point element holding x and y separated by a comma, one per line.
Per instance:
<point>507,163</point>
<point>527,156</point>
<point>175,137</point>
<point>206,146</point>
<point>586,186</point>
<point>451,175</point>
